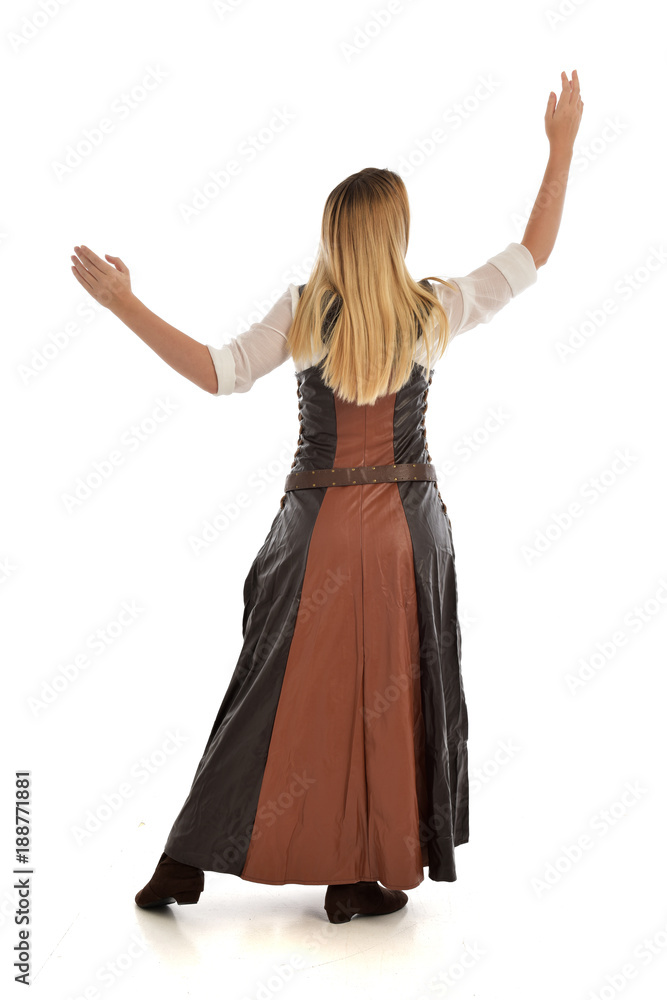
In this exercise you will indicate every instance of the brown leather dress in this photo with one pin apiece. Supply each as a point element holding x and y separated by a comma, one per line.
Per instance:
<point>339,752</point>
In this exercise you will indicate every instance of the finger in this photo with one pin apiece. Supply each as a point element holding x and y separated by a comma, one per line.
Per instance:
<point>90,277</point>
<point>81,262</point>
<point>82,281</point>
<point>94,261</point>
<point>551,104</point>
<point>574,93</point>
<point>118,262</point>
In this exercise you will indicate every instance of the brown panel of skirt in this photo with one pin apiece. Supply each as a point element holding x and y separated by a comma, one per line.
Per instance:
<point>344,783</point>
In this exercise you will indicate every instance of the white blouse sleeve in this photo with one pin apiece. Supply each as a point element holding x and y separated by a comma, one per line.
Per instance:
<point>477,297</point>
<point>257,351</point>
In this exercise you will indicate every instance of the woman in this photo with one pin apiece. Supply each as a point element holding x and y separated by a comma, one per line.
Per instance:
<point>338,756</point>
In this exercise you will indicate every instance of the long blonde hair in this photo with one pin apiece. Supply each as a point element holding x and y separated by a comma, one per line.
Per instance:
<point>360,309</point>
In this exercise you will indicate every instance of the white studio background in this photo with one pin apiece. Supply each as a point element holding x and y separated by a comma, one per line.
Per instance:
<point>558,401</point>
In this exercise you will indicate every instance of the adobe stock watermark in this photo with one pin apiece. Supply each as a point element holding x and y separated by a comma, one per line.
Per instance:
<point>634,621</point>
<point>7,907</point>
<point>271,642</point>
<point>452,119</point>
<point>99,641</point>
<point>394,690</point>
<point>299,273</point>
<point>131,440</point>
<point>265,817</point>
<point>439,821</point>
<point>450,977</point>
<point>114,969</point>
<point>468,445</point>
<point>591,491</point>
<point>32,24</point>
<point>480,776</point>
<point>320,937</point>
<point>315,940</point>
<point>558,15</point>
<point>624,289</point>
<point>430,653</point>
<point>111,802</point>
<point>230,511</point>
<point>58,340</point>
<point>222,7</point>
<point>312,603</point>
<point>248,150</point>
<point>583,155</point>
<point>376,24</point>
<point>643,954</point>
<point>93,137</point>
<point>302,607</point>
<point>296,275</point>
<point>600,824</point>
<point>273,982</point>
<point>7,569</point>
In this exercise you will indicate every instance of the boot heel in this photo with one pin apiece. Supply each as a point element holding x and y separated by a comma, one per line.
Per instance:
<point>342,902</point>
<point>338,917</point>
<point>187,897</point>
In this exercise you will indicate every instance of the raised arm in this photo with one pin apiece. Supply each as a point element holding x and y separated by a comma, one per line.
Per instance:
<point>561,122</point>
<point>110,285</point>
<point>234,367</point>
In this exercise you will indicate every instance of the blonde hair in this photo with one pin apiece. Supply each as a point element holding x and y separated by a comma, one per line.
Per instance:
<point>360,305</point>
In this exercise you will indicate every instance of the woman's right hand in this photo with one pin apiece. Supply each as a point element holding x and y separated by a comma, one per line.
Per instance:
<point>562,119</point>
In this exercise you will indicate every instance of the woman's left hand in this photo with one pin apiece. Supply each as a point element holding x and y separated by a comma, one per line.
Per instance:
<point>109,285</point>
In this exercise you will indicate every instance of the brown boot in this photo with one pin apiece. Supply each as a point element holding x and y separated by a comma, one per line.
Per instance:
<point>172,882</point>
<point>365,898</point>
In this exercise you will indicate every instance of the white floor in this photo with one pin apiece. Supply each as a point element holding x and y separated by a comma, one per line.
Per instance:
<point>486,936</point>
<point>256,941</point>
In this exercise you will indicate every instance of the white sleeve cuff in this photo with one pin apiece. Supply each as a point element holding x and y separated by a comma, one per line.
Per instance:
<point>516,263</point>
<point>225,369</point>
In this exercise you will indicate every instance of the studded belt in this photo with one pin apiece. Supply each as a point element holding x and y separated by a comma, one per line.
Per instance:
<point>360,475</point>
